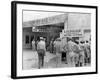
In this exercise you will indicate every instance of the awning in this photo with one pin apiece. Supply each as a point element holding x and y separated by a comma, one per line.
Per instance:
<point>46,21</point>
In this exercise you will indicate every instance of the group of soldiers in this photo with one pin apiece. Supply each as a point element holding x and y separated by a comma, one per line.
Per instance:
<point>76,53</point>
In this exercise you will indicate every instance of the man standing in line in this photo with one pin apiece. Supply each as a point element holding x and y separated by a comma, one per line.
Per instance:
<point>82,55</point>
<point>41,49</point>
<point>72,54</point>
<point>64,50</point>
<point>57,45</point>
<point>88,51</point>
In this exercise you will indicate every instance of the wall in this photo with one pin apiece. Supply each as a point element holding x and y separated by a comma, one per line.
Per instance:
<point>5,40</point>
<point>79,20</point>
<point>27,32</point>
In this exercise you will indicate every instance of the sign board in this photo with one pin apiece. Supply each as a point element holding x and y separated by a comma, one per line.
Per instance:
<point>39,30</point>
<point>35,30</point>
<point>48,20</point>
<point>72,33</point>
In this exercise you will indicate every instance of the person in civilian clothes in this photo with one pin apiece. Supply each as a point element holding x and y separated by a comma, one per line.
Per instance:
<point>33,45</point>
<point>41,49</point>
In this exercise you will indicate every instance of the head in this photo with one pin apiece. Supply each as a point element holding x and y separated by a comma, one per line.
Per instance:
<point>70,39</point>
<point>33,40</point>
<point>82,42</point>
<point>58,39</point>
<point>77,42</point>
<point>87,41</point>
<point>41,39</point>
<point>52,39</point>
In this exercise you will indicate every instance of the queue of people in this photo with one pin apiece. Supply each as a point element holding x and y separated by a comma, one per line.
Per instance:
<point>76,53</point>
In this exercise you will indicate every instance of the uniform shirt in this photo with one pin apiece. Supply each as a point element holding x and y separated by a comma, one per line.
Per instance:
<point>41,45</point>
<point>87,45</point>
<point>71,45</point>
<point>57,46</point>
<point>63,43</point>
<point>88,48</point>
<point>82,46</point>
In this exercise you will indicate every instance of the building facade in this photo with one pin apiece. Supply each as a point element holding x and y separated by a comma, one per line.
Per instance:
<point>56,26</point>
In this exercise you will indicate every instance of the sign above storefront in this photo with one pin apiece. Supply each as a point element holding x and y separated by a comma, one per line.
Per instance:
<point>50,20</point>
<point>72,33</point>
<point>46,21</point>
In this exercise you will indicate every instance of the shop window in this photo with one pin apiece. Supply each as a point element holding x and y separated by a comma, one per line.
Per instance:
<point>32,37</point>
<point>27,39</point>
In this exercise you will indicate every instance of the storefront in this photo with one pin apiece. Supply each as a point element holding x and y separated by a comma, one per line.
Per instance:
<point>64,25</point>
<point>49,28</point>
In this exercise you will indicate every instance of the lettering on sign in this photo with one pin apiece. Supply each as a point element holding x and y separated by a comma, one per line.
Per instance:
<point>72,33</point>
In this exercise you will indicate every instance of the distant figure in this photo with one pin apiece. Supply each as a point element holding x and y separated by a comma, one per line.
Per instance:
<point>51,46</point>
<point>88,51</point>
<point>82,55</point>
<point>64,50</point>
<point>41,49</point>
<point>33,45</point>
<point>77,51</point>
<point>57,45</point>
<point>54,47</point>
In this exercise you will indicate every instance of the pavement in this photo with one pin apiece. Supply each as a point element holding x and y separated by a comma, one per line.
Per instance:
<point>30,60</point>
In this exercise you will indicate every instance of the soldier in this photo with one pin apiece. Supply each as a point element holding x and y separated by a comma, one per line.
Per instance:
<point>82,55</point>
<point>72,54</point>
<point>77,53</point>
<point>64,50</point>
<point>57,45</point>
<point>88,51</point>
<point>41,49</point>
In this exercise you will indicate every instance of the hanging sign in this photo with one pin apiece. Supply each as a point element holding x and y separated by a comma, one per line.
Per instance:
<point>72,33</point>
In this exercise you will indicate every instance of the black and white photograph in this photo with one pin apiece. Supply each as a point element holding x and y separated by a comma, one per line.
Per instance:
<point>54,39</point>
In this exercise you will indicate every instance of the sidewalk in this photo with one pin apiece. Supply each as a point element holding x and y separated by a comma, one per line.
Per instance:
<point>30,60</point>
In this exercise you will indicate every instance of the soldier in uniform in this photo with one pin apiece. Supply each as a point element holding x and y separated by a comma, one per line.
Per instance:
<point>82,55</point>
<point>71,49</point>
<point>41,49</point>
